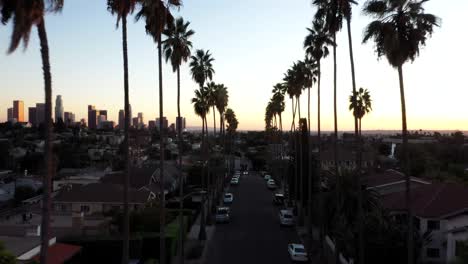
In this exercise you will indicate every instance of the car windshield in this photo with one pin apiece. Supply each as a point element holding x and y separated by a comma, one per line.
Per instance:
<point>300,250</point>
<point>287,216</point>
<point>222,211</point>
<point>227,195</point>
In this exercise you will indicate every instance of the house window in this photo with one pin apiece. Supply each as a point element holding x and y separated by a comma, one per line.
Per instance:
<point>85,208</point>
<point>433,225</point>
<point>433,253</point>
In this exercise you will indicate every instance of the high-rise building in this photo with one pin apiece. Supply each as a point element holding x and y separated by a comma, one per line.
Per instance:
<point>152,124</point>
<point>10,114</point>
<point>40,114</point>
<point>140,119</point>
<point>135,122</point>
<point>69,118</point>
<point>100,120</point>
<point>164,121</point>
<point>92,117</point>
<point>180,122</point>
<point>103,112</point>
<point>32,119</point>
<point>59,109</point>
<point>18,110</point>
<point>121,119</point>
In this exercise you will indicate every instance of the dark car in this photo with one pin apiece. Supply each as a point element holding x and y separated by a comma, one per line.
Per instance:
<point>278,199</point>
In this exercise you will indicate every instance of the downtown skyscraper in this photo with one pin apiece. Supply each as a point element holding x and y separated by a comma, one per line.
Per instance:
<point>58,109</point>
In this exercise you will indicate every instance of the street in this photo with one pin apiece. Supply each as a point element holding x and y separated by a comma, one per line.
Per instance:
<point>254,234</point>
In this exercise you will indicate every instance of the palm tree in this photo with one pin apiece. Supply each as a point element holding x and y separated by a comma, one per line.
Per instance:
<point>157,16</point>
<point>25,15</point>
<point>201,67</point>
<point>122,9</point>
<point>212,97</point>
<point>279,91</point>
<point>399,30</point>
<point>360,103</point>
<point>177,49</point>
<point>222,99</point>
<point>201,108</point>
<point>232,124</point>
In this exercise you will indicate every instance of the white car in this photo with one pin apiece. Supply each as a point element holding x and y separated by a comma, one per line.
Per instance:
<point>222,215</point>
<point>297,252</point>
<point>267,177</point>
<point>228,198</point>
<point>271,184</point>
<point>235,181</point>
<point>286,218</point>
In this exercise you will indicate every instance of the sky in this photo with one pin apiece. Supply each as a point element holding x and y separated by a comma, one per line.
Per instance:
<point>253,42</point>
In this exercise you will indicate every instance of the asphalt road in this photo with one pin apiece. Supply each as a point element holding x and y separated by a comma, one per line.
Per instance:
<point>254,234</point>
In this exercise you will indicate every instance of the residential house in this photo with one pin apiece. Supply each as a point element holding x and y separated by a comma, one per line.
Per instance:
<point>346,159</point>
<point>441,208</point>
<point>390,181</point>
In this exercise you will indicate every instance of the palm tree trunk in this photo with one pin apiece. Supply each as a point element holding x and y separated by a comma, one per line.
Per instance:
<point>357,142</point>
<point>126,221</point>
<point>301,168</point>
<point>214,122</point>
<point>208,178</point>
<point>281,122</point>
<point>335,145</point>
<point>181,177</point>
<point>162,204</point>
<point>406,166</point>
<point>309,168</point>
<point>202,233</point>
<point>49,167</point>
<point>319,164</point>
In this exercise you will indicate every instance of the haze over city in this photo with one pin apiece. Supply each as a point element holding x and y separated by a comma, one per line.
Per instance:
<point>252,50</point>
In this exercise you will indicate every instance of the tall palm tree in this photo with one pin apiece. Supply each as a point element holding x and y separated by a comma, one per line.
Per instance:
<point>222,99</point>
<point>176,48</point>
<point>211,88</point>
<point>201,67</point>
<point>122,9</point>
<point>25,15</point>
<point>399,30</point>
<point>316,46</point>
<point>157,16</point>
<point>279,91</point>
<point>201,108</point>
<point>360,103</point>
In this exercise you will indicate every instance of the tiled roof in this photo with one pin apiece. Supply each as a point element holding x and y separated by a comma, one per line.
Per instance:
<point>387,177</point>
<point>101,193</point>
<point>437,200</point>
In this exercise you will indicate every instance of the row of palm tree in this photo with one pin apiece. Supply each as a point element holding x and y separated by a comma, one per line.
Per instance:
<point>399,29</point>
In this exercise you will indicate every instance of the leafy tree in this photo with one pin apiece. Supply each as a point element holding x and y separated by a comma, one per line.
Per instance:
<point>5,256</point>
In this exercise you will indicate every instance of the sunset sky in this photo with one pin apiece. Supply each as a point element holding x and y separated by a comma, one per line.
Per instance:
<point>253,42</point>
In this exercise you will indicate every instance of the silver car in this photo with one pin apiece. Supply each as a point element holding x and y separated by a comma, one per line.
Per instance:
<point>222,215</point>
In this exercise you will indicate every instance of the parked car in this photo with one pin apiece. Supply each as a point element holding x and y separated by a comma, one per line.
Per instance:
<point>222,214</point>
<point>235,181</point>
<point>271,184</point>
<point>278,199</point>
<point>286,218</point>
<point>228,198</point>
<point>297,252</point>
<point>266,177</point>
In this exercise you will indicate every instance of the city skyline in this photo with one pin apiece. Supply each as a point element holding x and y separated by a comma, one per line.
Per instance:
<point>249,82</point>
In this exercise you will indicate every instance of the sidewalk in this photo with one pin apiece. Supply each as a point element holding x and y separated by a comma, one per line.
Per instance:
<point>193,242</point>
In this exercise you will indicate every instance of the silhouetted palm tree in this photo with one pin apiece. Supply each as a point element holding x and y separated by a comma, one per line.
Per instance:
<point>399,30</point>
<point>201,108</point>
<point>25,15</point>
<point>360,103</point>
<point>177,49</point>
<point>211,89</point>
<point>279,91</point>
<point>157,16</point>
<point>122,9</point>
<point>201,67</point>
